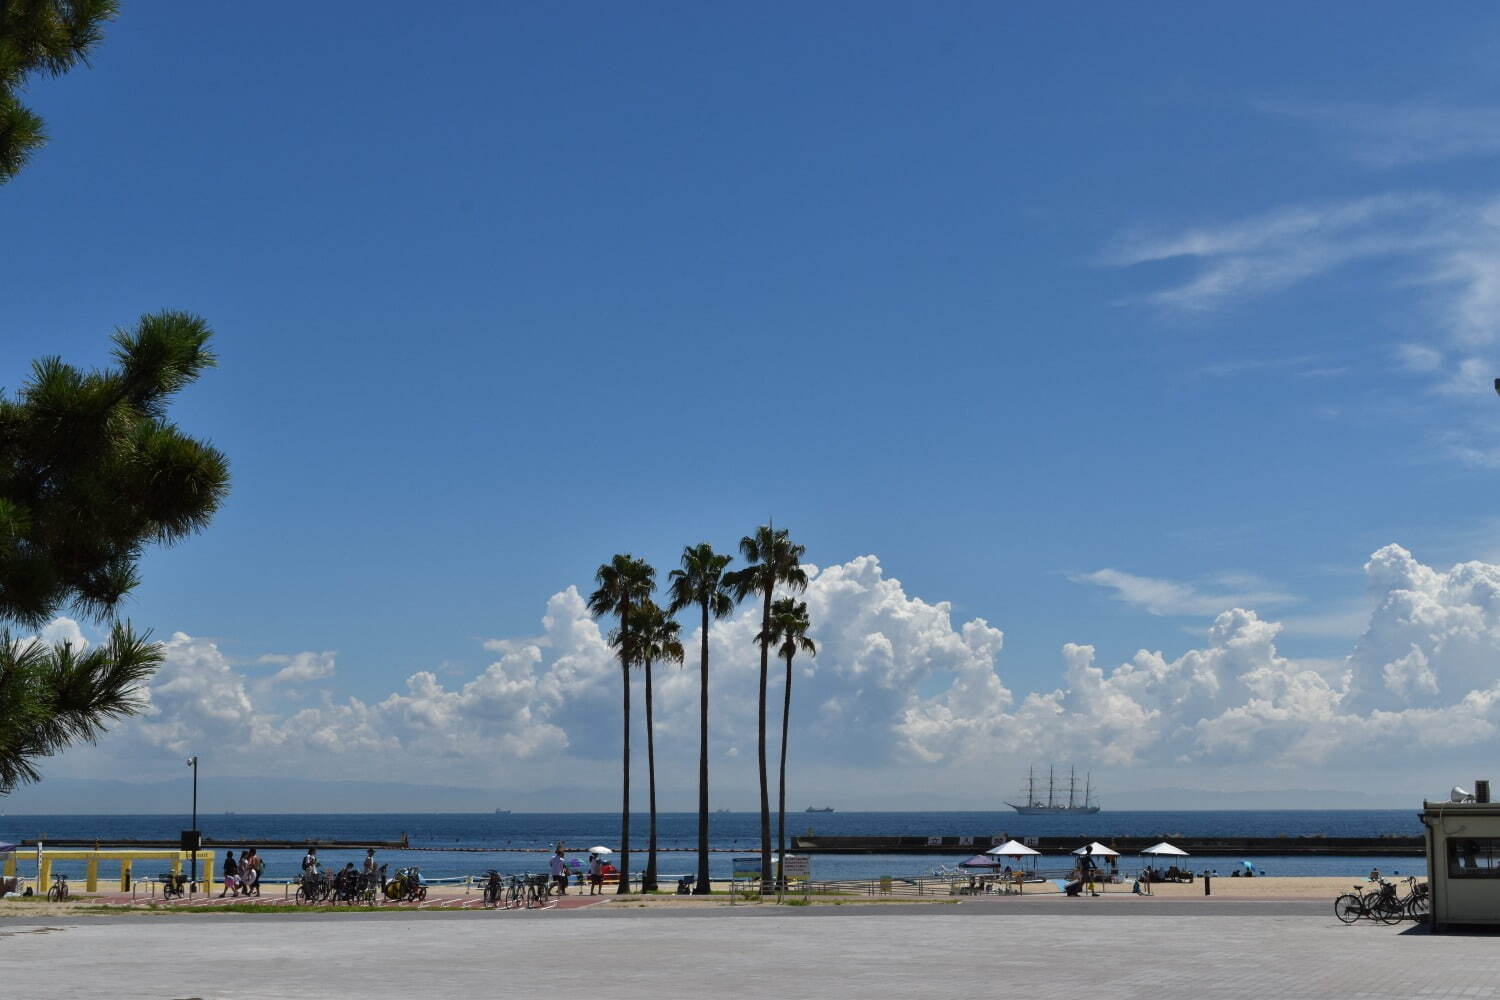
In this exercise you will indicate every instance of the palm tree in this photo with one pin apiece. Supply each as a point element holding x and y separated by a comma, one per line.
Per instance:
<point>625,583</point>
<point>773,560</point>
<point>701,581</point>
<point>655,639</point>
<point>789,625</point>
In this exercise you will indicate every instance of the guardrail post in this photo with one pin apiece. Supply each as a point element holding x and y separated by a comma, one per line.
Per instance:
<point>91,875</point>
<point>44,875</point>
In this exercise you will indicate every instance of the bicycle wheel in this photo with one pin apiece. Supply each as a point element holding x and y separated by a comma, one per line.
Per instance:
<point>1418,907</point>
<point>1348,908</point>
<point>54,894</point>
<point>1389,910</point>
<point>305,898</point>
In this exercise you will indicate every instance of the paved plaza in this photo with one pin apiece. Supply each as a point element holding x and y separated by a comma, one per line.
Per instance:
<point>1057,949</point>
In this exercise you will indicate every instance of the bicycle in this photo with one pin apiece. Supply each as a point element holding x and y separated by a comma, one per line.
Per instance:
<point>494,888</point>
<point>1379,903</point>
<point>1415,904</point>
<point>515,892</point>
<point>406,886</point>
<point>314,888</point>
<point>538,890</point>
<point>59,891</point>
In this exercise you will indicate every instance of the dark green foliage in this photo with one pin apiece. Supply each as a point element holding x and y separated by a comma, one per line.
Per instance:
<point>40,37</point>
<point>51,697</point>
<point>91,472</point>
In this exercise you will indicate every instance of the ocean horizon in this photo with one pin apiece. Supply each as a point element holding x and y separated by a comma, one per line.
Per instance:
<point>458,844</point>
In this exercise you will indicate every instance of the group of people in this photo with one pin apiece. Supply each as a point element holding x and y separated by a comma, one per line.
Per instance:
<point>242,876</point>
<point>312,865</point>
<point>598,869</point>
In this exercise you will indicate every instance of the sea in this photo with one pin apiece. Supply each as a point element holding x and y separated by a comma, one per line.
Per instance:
<point>454,845</point>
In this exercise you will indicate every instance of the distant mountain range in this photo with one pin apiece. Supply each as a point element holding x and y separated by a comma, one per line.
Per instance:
<point>305,795</point>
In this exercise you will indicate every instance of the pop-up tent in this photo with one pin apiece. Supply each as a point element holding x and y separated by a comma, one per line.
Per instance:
<point>981,861</point>
<point>1096,850</point>
<point>1013,849</point>
<point>1165,850</point>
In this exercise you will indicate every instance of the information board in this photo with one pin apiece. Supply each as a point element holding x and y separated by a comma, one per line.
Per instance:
<point>747,867</point>
<point>796,866</point>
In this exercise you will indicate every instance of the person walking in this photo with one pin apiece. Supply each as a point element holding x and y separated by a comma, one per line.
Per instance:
<point>247,873</point>
<point>256,864</point>
<point>231,874</point>
<point>596,874</point>
<point>560,871</point>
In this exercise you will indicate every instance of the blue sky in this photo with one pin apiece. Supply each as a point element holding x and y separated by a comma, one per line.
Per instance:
<point>1092,321</point>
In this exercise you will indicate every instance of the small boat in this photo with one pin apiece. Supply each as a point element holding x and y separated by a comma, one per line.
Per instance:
<point>502,812</point>
<point>825,809</point>
<point>721,810</point>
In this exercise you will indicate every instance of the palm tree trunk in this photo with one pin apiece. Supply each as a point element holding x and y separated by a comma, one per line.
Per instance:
<point>648,883</point>
<point>765,789</point>
<point>624,885</point>
<point>704,886</point>
<point>786,715</point>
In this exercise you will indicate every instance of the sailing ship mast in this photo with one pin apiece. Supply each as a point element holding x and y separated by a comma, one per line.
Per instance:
<point>1072,785</point>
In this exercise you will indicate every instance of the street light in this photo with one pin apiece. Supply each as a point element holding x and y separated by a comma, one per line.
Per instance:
<point>192,762</point>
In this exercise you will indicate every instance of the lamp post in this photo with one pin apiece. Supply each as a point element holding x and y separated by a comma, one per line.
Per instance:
<point>192,762</point>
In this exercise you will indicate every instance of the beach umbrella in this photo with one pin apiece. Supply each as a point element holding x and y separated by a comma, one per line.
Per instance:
<point>601,850</point>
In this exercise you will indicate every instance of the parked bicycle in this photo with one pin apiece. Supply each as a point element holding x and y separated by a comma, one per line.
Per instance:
<point>1415,902</point>
<point>314,887</point>
<point>1375,900</point>
<point>494,888</point>
<point>407,885</point>
<point>59,891</point>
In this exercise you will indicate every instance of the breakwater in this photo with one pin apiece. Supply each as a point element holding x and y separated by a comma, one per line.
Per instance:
<point>171,845</point>
<point>1386,846</point>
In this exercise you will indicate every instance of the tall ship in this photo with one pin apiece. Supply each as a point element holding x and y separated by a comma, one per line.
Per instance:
<point>1054,804</point>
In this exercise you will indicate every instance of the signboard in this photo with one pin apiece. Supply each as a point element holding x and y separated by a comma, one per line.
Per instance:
<point>1031,841</point>
<point>747,868</point>
<point>796,867</point>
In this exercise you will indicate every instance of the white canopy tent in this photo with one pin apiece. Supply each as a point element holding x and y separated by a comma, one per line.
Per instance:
<point>1165,849</point>
<point>1013,849</point>
<point>1096,850</point>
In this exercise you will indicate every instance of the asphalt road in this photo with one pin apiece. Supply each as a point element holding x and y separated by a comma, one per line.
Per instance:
<point>1177,950</point>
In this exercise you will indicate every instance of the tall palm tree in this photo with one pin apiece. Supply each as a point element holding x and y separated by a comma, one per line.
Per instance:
<point>788,633</point>
<point>625,583</point>
<point>772,559</point>
<point>655,640</point>
<point>701,581</point>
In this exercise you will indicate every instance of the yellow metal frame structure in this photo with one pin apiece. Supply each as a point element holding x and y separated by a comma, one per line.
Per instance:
<point>127,860</point>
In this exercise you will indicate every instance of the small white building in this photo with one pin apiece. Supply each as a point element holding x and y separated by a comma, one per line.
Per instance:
<point>1463,861</point>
